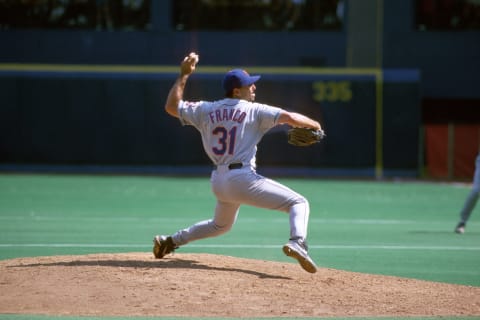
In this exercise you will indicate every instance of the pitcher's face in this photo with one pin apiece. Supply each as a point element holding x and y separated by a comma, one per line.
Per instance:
<point>246,93</point>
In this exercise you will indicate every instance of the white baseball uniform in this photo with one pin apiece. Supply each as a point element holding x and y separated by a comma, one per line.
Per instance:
<point>231,129</point>
<point>473,195</point>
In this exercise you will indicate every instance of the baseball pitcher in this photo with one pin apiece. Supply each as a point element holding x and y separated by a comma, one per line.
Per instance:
<point>231,128</point>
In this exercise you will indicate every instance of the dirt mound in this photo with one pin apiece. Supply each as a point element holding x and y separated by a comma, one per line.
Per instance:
<point>201,285</point>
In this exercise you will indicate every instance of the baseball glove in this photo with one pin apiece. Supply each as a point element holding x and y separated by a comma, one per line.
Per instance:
<point>303,137</point>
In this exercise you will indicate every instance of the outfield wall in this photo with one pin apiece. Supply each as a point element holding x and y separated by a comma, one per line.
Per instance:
<point>113,115</point>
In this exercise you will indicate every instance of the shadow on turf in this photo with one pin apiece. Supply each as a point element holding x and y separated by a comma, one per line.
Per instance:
<point>162,264</point>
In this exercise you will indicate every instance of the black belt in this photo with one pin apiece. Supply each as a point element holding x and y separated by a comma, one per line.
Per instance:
<point>232,166</point>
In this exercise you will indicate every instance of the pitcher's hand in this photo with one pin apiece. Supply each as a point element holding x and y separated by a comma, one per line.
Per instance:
<point>189,63</point>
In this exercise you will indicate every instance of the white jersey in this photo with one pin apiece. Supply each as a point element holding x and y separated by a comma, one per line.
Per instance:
<point>230,128</point>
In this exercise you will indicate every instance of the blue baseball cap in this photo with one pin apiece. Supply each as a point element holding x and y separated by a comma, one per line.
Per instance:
<point>238,78</point>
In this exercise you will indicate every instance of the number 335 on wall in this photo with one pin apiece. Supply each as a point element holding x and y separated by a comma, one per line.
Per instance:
<point>332,91</point>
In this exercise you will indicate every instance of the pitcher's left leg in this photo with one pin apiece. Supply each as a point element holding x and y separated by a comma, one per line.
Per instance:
<point>298,216</point>
<point>267,193</point>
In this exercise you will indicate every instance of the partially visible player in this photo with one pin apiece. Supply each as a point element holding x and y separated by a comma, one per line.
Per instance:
<point>471,199</point>
<point>231,128</point>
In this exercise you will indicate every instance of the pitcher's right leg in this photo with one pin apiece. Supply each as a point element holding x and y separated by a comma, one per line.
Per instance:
<point>222,222</point>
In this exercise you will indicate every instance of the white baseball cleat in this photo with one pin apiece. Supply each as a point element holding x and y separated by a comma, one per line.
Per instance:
<point>297,249</point>
<point>460,228</point>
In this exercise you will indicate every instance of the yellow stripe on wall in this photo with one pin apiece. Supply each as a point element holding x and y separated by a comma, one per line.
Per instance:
<point>175,69</point>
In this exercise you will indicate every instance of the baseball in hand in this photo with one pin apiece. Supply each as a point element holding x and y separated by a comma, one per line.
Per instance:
<point>189,63</point>
<point>193,57</point>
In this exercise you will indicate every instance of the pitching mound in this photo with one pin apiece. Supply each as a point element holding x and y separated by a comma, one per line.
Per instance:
<point>201,285</point>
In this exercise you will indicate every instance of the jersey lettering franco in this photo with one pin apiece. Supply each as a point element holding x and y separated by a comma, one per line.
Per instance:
<point>230,128</point>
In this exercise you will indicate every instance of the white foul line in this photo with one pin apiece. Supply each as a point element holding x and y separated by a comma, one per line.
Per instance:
<point>241,246</point>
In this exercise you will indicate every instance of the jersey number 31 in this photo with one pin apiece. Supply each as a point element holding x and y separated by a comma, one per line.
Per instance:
<point>226,140</point>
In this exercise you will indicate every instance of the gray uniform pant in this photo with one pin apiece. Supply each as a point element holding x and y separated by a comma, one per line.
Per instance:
<point>233,188</point>
<point>472,197</point>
